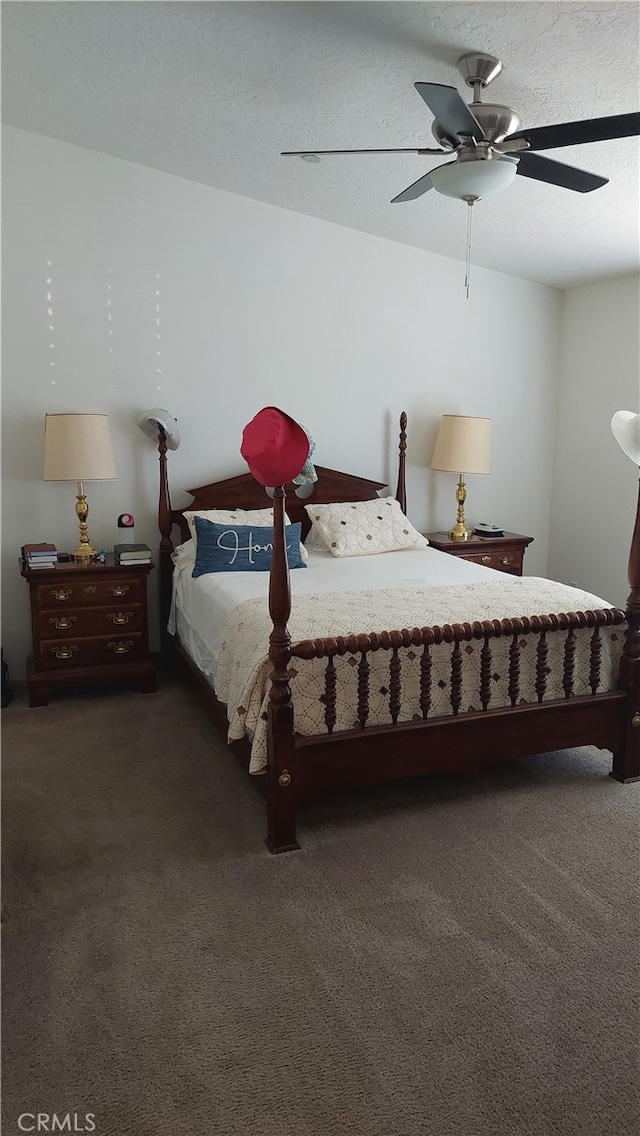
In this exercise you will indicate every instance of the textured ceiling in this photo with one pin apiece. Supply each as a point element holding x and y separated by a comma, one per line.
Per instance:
<point>213,91</point>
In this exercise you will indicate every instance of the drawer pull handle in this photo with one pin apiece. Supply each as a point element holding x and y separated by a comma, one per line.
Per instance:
<point>121,647</point>
<point>62,593</point>
<point>63,622</point>
<point>486,560</point>
<point>65,652</point>
<point>506,559</point>
<point>120,616</point>
<point>118,589</point>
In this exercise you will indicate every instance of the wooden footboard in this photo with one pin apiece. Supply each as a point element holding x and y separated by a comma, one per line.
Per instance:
<point>424,638</point>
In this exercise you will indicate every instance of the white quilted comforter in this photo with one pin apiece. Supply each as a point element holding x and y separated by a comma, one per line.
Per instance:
<point>242,668</point>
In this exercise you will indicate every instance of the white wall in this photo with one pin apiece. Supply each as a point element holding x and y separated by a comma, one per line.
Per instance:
<point>256,305</point>
<point>595,486</point>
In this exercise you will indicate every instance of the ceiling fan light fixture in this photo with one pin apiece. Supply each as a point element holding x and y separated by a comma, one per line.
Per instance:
<point>474,178</point>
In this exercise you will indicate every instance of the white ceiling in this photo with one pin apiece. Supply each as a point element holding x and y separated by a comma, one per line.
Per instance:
<point>214,91</point>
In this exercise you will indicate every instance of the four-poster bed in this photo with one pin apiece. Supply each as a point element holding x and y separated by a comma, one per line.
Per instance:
<point>300,768</point>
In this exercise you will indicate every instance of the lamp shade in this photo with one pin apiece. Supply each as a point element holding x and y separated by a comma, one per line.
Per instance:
<point>463,445</point>
<point>77,447</point>
<point>479,178</point>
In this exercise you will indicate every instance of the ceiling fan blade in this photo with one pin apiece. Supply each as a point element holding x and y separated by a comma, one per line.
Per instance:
<point>450,111</point>
<point>556,173</point>
<point>318,153</point>
<point>422,185</point>
<point>575,133</point>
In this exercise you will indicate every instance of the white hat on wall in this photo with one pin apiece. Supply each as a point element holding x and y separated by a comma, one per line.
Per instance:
<point>153,420</point>
<point>626,431</point>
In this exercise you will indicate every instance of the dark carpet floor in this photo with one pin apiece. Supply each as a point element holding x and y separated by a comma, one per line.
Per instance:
<point>449,957</point>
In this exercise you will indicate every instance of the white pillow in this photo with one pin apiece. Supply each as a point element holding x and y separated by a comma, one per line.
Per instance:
<point>258,517</point>
<point>363,528</point>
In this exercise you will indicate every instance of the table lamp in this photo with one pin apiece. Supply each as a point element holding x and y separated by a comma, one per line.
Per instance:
<point>77,447</point>
<point>463,445</point>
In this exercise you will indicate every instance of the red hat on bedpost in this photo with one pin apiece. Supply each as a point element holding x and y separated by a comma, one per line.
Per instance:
<point>274,446</point>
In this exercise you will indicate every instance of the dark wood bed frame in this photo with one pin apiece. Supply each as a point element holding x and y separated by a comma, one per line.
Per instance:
<point>303,769</point>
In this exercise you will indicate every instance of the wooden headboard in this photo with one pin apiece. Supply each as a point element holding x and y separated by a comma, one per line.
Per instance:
<point>244,492</point>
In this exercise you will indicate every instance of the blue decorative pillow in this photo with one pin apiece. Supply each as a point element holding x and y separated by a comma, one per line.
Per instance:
<point>241,548</point>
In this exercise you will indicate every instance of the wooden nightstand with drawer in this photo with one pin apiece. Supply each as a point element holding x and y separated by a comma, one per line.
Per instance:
<point>504,553</point>
<point>89,626</point>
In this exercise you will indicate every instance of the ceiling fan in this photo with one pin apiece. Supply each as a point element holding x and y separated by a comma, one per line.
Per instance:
<point>488,145</point>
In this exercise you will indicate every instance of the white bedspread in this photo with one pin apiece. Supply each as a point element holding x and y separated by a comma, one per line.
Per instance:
<point>200,607</point>
<point>223,621</point>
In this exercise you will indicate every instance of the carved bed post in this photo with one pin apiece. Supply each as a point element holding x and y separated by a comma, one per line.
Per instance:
<point>166,544</point>
<point>401,491</point>
<point>281,835</point>
<point>626,764</point>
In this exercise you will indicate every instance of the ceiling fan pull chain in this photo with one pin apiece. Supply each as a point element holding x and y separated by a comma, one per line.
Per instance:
<point>467,274</point>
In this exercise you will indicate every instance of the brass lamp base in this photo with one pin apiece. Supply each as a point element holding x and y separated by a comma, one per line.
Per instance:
<point>84,552</point>
<point>460,532</point>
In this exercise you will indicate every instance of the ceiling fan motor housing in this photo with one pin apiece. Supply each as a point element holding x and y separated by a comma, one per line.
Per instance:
<point>497,122</point>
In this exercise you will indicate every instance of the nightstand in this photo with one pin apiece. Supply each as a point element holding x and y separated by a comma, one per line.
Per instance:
<point>89,626</point>
<point>505,553</point>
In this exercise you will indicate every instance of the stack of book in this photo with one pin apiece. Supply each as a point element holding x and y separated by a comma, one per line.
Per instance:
<point>40,555</point>
<point>132,553</point>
